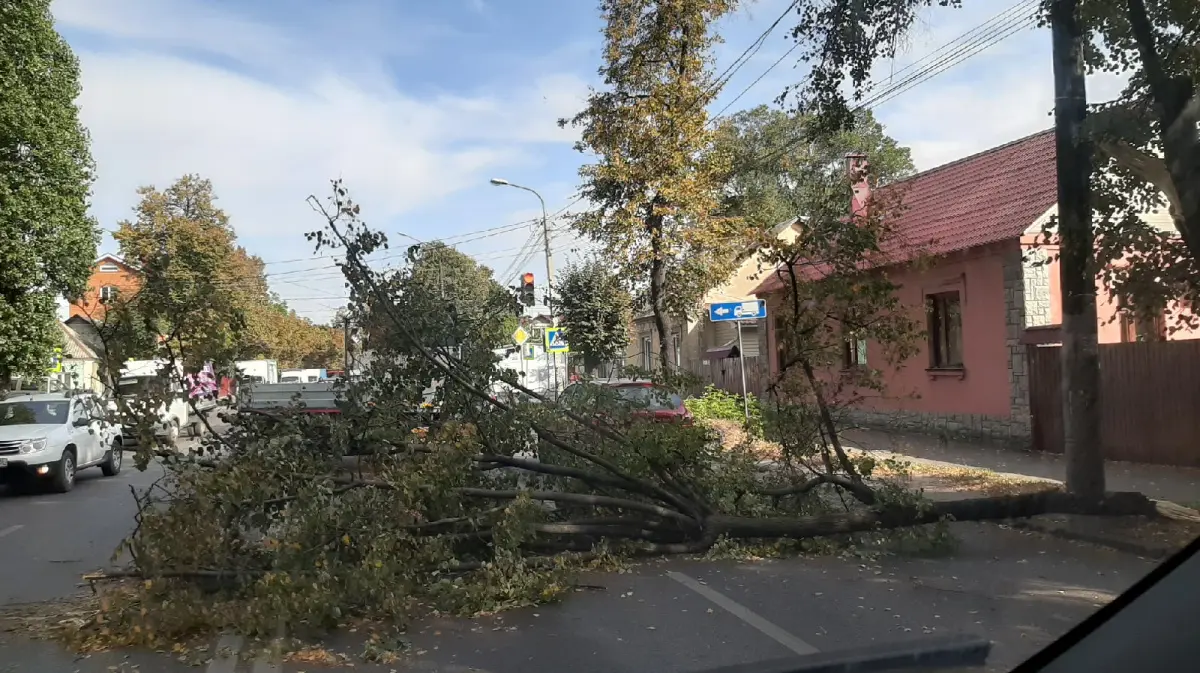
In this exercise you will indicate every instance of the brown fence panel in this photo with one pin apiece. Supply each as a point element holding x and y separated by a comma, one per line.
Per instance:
<point>1045,398</point>
<point>1149,394</point>
<point>726,374</point>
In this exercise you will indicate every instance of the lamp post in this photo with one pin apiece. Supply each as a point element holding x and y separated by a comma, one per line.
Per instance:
<point>499,182</point>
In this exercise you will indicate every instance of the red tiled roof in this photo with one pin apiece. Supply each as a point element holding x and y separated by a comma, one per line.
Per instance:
<point>984,198</point>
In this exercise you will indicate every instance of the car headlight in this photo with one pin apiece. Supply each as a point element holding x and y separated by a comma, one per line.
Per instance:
<point>31,445</point>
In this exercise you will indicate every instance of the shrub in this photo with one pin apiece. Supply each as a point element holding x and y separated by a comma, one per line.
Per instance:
<point>716,404</point>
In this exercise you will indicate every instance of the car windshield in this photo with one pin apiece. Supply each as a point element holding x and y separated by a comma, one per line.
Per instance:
<point>34,413</point>
<point>650,398</point>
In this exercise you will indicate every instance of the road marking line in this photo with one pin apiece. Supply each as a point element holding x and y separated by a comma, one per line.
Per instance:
<point>745,614</point>
<point>11,529</point>
<point>266,662</point>
<point>226,658</point>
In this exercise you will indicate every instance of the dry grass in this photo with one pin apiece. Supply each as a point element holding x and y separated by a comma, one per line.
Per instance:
<point>933,476</point>
<point>734,434</point>
<point>937,477</point>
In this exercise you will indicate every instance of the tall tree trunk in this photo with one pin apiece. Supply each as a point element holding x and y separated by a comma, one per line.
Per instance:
<point>1080,357</point>
<point>658,284</point>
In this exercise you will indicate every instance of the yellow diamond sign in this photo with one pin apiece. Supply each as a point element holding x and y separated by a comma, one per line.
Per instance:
<point>520,336</point>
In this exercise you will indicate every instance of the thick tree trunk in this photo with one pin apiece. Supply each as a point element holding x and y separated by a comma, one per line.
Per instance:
<point>658,284</point>
<point>973,509</point>
<point>1080,358</point>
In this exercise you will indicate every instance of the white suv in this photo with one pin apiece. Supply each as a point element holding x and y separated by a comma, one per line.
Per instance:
<point>48,437</point>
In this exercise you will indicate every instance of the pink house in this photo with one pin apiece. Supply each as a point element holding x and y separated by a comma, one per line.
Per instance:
<point>982,286</point>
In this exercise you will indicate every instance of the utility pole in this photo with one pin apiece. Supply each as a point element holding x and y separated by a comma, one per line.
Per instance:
<point>1077,281</point>
<point>549,265</point>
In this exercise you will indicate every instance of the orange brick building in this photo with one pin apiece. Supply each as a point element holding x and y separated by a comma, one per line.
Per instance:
<point>112,277</point>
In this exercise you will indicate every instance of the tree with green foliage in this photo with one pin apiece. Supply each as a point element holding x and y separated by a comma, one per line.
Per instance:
<point>475,307</point>
<point>47,240</point>
<point>197,285</point>
<point>834,301</point>
<point>1148,149</point>
<point>771,180</point>
<point>594,308</point>
<point>656,182</point>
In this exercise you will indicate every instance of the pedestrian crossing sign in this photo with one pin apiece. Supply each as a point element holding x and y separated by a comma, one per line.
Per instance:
<point>56,364</point>
<point>556,340</point>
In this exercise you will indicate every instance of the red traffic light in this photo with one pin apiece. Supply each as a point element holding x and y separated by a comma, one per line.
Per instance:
<point>527,279</point>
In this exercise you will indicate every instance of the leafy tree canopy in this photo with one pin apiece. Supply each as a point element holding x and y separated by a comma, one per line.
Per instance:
<point>655,182</point>
<point>595,309</point>
<point>203,292</point>
<point>47,240</point>
<point>773,178</point>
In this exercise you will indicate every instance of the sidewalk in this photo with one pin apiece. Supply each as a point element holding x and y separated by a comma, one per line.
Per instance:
<point>951,470</point>
<point>1160,482</point>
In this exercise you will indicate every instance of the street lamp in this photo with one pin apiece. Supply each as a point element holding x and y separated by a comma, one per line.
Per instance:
<point>501,182</point>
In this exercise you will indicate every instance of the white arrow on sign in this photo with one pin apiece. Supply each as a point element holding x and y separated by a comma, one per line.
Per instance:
<point>721,311</point>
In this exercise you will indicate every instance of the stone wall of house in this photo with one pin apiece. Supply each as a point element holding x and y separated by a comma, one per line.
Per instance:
<point>1018,275</point>
<point>1035,274</point>
<point>954,426</point>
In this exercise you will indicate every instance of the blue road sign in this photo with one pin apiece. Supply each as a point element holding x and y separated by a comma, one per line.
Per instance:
<point>737,310</point>
<point>556,340</point>
<point>530,350</point>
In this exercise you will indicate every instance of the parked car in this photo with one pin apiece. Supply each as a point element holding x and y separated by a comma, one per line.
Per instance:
<point>45,438</point>
<point>648,401</point>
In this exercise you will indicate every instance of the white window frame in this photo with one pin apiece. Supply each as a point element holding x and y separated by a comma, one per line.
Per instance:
<point>110,267</point>
<point>109,293</point>
<point>647,352</point>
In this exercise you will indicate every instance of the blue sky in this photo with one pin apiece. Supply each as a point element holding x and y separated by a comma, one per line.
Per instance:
<point>417,103</point>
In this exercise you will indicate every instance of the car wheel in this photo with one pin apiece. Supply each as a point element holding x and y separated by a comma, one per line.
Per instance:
<point>64,474</point>
<point>112,462</point>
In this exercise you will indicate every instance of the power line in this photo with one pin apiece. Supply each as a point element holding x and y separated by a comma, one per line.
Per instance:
<point>749,52</point>
<point>971,49</point>
<point>988,34</point>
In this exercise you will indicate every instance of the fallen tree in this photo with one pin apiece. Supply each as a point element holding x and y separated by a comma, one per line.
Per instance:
<point>492,508</point>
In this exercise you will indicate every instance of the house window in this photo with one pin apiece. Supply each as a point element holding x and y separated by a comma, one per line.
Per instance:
<point>109,267</point>
<point>1134,329</point>
<point>945,330</point>
<point>854,353</point>
<point>675,348</point>
<point>108,294</point>
<point>647,353</point>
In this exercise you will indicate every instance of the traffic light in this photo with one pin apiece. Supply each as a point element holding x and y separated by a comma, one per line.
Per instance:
<point>526,290</point>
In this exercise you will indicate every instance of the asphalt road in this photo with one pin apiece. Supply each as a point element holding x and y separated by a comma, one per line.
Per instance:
<point>48,540</point>
<point>1019,589</point>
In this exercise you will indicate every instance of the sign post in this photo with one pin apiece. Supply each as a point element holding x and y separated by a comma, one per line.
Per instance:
<point>737,311</point>
<point>519,337</point>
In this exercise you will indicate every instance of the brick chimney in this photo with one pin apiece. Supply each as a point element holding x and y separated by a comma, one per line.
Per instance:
<point>856,168</point>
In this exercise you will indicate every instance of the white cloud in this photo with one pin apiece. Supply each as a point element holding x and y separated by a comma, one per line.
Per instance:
<point>284,121</point>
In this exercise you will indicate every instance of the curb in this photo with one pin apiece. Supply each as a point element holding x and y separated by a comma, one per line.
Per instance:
<point>1064,532</point>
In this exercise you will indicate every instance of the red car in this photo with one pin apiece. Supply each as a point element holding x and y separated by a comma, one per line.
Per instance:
<point>651,403</point>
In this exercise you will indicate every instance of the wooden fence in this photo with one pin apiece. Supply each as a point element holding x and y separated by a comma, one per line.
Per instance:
<point>1149,396</point>
<point>726,374</point>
